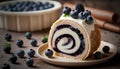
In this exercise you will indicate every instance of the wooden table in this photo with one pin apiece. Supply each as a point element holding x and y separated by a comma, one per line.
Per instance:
<point>111,37</point>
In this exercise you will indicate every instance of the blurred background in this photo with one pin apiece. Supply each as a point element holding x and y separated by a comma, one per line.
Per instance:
<point>109,5</point>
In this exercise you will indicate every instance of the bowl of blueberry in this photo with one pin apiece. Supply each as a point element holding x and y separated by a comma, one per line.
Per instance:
<point>28,15</point>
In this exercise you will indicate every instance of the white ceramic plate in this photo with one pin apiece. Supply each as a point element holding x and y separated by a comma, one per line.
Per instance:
<point>70,62</point>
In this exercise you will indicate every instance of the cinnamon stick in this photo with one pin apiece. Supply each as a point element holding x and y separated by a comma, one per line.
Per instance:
<point>98,13</point>
<point>108,26</point>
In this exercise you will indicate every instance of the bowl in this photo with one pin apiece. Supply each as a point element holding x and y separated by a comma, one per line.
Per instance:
<point>29,20</point>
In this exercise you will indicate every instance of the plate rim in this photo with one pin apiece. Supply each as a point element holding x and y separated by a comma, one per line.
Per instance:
<point>78,63</point>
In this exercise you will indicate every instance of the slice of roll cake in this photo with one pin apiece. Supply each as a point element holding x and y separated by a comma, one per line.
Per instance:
<point>75,34</point>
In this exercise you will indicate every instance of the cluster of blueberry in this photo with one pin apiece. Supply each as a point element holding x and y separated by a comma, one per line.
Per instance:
<point>99,55</point>
<point>26,6</point>
<point>79,12</point>
<point>20,53</point>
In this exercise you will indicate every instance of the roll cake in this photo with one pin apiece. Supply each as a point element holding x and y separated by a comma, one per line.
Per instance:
<point>75,34</point>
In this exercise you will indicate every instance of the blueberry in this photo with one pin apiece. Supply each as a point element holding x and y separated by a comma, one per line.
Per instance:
<point>97,55</point>
<point>50,5</point>
<point>66,10</point>
<point>8,37</point>
<point>27,3</point>
<point>49,53</point>
<point>46,7</point>
<point>40,4</point>
<point>34,42</point>
<point>31,53</point>
<point>7,9</point>
<point>19,43</point>
<point>34,9</point>
<point>21,6</point>
<point>74,14</point>
<point>18,4</point>
<point>14,9</point>
<point>81,15</point>
<point>89,19</point>
<point>7,48</point>
<point>40,8</point>
<point>86,13</point>
<point>79,7</point>
<point>26,9</point>
<point>13,59</point>
<point>46,3</point>
<point>29,62</point>
<point>28,35</point>
<point>106,49</point>
<point>44,39</point>
<point>5,66</point>
<point>21,53</point>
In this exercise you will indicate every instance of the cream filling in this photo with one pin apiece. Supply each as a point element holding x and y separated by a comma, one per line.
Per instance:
<point>88,27</point>
<point>66,49</point>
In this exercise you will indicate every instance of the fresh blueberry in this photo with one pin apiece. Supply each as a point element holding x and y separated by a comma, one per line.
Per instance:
<point>40,8</point>
<point>7,9</point>
<point>29,62</point>
<point>31,53</point>
<point>66,10</point>
<point>18,5</point>
<point>34,42</point>
<point>19,43</point>
<point>5,66</point>
<point>81,15</point>
<point>8,37</point>
<point>97,55</point>
<point>74,14</point>
<point>7,48</point>
<point>21,53</point>
<point>89,19</point>
<point>34,9</point>
<point>46,3</point>
<point>106,49</point>
<point>46,7</point>
<point>44,39</point>
<point>26,9</point>
<point>86,13</point>
<point>14,9</point>
<point>13,59</point>
<point>28,35</point>
<point>40,4</point>
<point>49,53</point>
<point>50,5</point>
<point>79,7</point>
<point>27,3</point>
<point>21,6</point>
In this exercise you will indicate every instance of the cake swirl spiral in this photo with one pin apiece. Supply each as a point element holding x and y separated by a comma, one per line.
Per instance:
<point>68,40</point>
